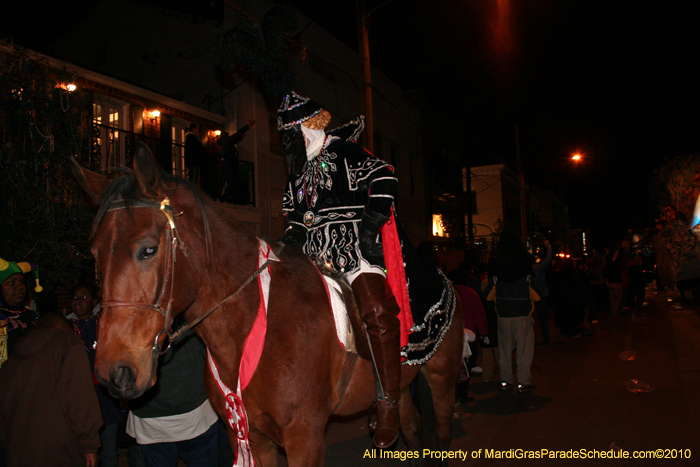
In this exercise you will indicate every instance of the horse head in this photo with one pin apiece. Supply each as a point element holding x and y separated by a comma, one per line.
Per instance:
<point>135,242</point>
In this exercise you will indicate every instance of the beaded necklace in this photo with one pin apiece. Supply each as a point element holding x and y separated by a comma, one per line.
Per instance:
<point>80,331</point>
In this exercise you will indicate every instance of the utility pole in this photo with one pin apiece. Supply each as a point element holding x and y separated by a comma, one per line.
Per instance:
<point>521,176</point>
<point>363,34</point>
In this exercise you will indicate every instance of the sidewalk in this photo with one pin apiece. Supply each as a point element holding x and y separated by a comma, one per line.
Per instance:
<point>582,401</point>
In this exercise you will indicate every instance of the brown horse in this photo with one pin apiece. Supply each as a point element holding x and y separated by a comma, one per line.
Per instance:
<point>303,376</point>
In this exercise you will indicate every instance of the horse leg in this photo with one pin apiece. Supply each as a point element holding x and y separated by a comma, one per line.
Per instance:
<point>411,425</point>
<point>410,420</point>
<point>304,444</point>
<point>441,373</point>
<point>265,451</point>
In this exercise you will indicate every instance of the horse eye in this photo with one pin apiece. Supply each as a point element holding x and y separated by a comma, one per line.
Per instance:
<point>148,252</point>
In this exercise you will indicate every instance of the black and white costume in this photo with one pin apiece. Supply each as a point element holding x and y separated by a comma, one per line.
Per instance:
<point>328,198</point>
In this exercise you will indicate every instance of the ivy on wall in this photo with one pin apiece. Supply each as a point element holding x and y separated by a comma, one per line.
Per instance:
<point>43,211</point>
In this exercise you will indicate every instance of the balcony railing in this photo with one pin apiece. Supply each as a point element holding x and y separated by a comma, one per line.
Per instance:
<point>118,155</point>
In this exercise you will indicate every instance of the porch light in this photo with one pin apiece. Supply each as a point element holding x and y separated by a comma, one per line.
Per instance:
<point>70,87</point>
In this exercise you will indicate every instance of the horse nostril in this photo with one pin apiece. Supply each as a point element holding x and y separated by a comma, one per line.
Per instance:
<point>122,378</point>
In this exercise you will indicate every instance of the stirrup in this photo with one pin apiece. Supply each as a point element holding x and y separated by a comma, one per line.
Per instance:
<point>373,424</point>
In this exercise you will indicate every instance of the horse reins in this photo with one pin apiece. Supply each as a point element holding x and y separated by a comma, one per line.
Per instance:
<point>172,237</point>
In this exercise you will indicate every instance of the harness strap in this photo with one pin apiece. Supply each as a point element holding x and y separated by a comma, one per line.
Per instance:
<point>172,237</point>
<point>345,377</point>
<point>236,417</point>
<point>176,335</point>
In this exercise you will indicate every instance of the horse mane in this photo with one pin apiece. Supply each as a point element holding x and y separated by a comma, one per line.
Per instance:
<point>127,189</point>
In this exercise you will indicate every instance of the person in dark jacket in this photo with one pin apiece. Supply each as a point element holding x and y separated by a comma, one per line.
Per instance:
<point>613,274</point>
<point>49,414</point>
<point>540,269</point>
<point>175,418</point>
<point>235,191</point>
<point>510,286</point>
<point>194,154</point>
<point>85,319</point>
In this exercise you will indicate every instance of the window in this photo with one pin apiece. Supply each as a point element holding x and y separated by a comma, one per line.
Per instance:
<point>110,119</point>
<point>179,128</point>
<point>439,229</point>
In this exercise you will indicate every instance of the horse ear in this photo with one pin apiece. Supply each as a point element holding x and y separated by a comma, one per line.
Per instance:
<point>93,183</point>
<point>146,170</point>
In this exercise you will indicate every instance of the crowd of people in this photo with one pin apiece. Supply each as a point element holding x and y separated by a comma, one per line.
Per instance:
<point>513,288</point>
<point>53,411</point>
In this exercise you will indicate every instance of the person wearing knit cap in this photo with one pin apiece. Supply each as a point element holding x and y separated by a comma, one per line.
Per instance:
<point>16,319</point>
<point>338,198</point>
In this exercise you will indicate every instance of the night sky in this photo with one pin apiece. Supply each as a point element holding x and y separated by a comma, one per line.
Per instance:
<point>616,80</point>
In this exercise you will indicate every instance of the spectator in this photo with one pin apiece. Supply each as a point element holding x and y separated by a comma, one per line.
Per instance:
<point>235,191</point>
<point>510,278</point>
<point>568,286</point>
<point>49,414</point>
<point>175,418</point>
<point>16,319</point>
<point>85,318</point>
<point>637,283</point>
<point>489,342</point>
<point>474,320</point>
<point>194,154</point>
<point>474,316</point>
<point>598,286</point>
<point>613,274</point>
<point>540,269</point>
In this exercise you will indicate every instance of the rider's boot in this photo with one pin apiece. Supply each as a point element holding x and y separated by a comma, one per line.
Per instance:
<point>379,312</point>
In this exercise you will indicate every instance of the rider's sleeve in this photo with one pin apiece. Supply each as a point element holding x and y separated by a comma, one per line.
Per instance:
<point>382,191</point>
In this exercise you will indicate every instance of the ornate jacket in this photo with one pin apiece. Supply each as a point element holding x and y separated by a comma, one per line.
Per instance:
<point>328,199</point>
<point>329,196</point>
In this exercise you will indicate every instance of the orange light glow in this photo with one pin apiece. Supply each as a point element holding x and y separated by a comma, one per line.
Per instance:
<point>576,157</point>
<point>70,87</point>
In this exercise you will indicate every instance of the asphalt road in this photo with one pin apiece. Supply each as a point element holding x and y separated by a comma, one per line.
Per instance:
<point>582,405</point>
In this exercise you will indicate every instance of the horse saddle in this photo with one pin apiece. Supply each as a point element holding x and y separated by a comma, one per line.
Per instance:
<point>348,323</point>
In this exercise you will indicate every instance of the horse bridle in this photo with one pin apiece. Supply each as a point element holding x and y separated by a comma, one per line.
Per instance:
<point>172,238</point>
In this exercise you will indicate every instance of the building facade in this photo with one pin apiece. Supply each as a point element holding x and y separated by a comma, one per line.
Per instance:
<point>172,52</point>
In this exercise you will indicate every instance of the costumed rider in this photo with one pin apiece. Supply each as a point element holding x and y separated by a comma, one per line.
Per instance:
<point>337,200</point>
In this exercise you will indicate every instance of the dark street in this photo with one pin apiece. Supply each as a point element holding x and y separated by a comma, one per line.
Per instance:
<point>582,402</point>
